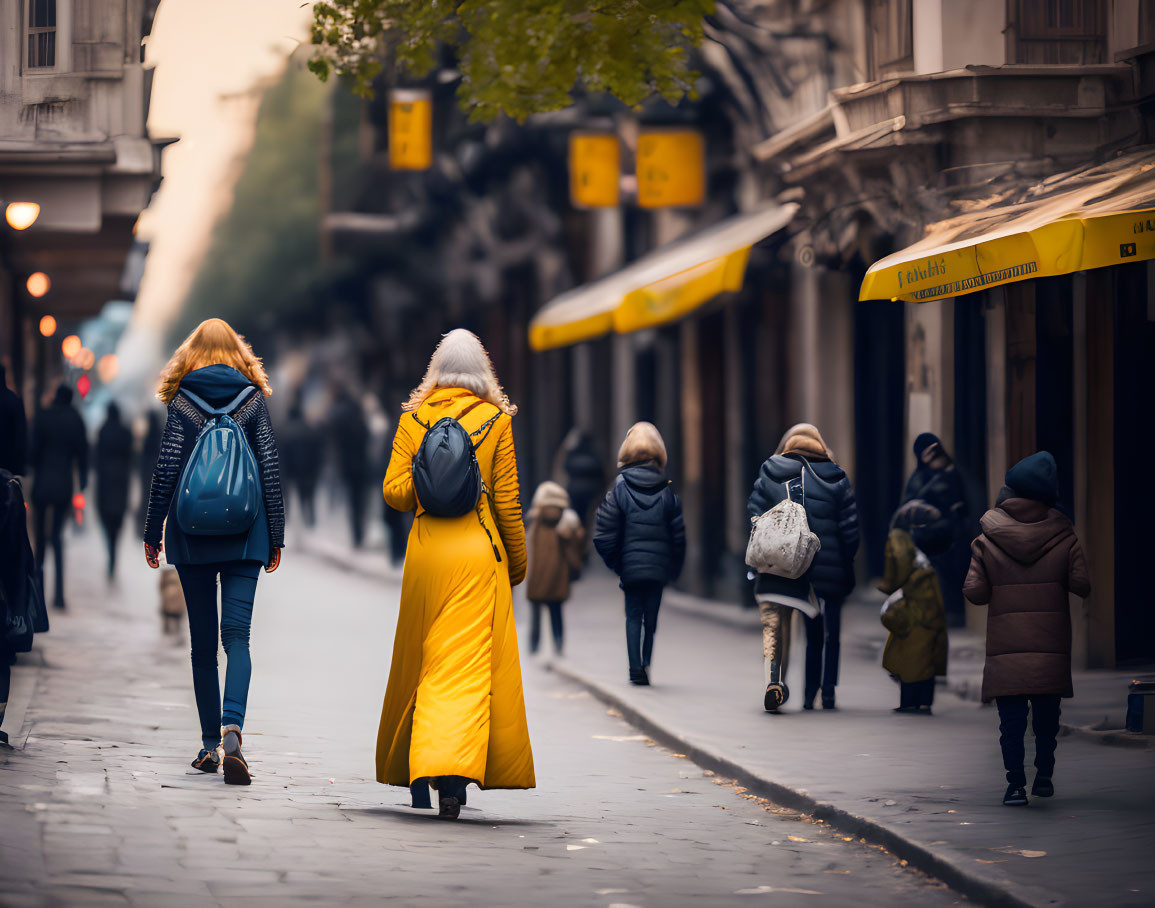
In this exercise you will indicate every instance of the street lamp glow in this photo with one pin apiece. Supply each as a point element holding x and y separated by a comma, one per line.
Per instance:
<point>108,367</point>
<point>38,284</point>
<point>47,326</point>
<point>85,359</point>
<point>70,346</point>
<point>22,215</point>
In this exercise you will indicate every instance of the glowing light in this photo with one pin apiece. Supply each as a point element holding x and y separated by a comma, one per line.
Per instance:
<point>38,284</point>
<point>22,215</point>
<point>48,326</point>
<point>84,385</point>
<point>85,359</point>
<point>70,346</point>
<point>108,367</point>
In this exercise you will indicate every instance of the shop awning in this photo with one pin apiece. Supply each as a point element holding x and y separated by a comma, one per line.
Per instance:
<point>662,286</point>
<point>1091,218</point>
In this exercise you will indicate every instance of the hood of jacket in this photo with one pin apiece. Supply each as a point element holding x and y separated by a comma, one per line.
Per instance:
<point>645,483</point>
<point>1025,529</point>
<point>784,467</point>
<point>550,494</point>
<point>900,558</point>
<point>217,384</point>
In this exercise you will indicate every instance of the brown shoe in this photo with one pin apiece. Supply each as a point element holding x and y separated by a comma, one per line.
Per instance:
<point>235,767</point>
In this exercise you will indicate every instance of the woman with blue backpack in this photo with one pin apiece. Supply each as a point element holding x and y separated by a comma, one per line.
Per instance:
<point>216,494</point>
<point>454,712</point>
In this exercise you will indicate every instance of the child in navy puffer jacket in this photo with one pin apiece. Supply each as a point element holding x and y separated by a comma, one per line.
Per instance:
<point>641,537</point>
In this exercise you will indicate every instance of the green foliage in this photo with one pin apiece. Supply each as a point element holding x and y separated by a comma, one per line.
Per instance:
<point>265,251</point>
<point>517,57</point>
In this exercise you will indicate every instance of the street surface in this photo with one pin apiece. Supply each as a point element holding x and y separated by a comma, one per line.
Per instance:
<point>100,807</point>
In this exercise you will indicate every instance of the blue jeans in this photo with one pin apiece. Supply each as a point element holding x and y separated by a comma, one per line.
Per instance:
<point>238,586</point>
<point>642,603</point>
<point>823,648</point>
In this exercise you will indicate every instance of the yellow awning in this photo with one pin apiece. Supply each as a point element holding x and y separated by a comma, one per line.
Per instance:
<point>662,286</point>
<point>1091,218</point>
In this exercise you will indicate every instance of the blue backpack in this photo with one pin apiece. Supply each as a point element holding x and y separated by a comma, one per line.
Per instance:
<point>220,487</point>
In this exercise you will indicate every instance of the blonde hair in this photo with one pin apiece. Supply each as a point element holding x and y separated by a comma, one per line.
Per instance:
<point>460,361</point>
<point>806,440</point>
<point>213,342</point>
<point>643,442</point>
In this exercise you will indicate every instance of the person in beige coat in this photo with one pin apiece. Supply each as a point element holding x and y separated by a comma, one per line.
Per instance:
<point>555,542</point>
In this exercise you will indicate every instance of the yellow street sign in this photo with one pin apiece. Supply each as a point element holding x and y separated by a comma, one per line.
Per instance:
<point>594,170</point>
<point>410,129</point>
<point>671,168</point>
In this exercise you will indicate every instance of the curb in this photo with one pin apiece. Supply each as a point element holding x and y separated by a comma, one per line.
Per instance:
<point>953,873</point>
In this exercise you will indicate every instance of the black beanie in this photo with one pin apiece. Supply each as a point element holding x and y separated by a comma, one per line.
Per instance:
<point>924,441</point>
<point>1035,477</point>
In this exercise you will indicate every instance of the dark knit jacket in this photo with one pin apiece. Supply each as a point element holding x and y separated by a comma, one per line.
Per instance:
<point>217,385</point>
<point>831,511</point>
<point>640,533</point>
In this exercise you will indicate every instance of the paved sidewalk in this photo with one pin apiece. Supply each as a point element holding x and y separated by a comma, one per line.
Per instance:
<point>928,787</point>
<point>100,808</point>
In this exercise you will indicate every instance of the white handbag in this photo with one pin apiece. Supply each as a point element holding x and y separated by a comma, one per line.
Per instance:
<point>780,540</point>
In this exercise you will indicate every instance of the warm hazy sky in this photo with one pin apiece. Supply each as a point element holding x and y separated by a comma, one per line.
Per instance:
<point>208,55</point>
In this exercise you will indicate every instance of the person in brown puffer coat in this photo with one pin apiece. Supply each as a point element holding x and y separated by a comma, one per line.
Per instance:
<point>555,541</point>
<point>1023,566</point>
<point>916,650</point>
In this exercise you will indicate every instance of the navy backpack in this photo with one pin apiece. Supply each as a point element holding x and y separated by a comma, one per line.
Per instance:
<point>220,487</point>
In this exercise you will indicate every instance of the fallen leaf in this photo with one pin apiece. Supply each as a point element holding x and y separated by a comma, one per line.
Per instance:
<point>1023,852</point>
<point>981,861</point>
<point>679,756</point>
<point>765,890</point>
<point>836,871</point>
<point>797,838</point>
<point>574,847</point>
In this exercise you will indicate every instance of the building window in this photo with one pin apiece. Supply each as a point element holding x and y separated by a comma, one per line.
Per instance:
<point>1059,31</point>
<point>41,33</point>
<point>890,37</point>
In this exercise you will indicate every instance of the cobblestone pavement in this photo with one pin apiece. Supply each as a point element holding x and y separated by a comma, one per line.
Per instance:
<point>100,806</point>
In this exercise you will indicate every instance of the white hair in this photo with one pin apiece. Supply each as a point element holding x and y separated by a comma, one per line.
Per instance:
<point>460,361</point>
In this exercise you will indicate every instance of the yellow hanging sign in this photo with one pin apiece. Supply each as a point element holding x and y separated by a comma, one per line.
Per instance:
<point>410,129</point>
<point>671,168</point>
<point>594,170</point>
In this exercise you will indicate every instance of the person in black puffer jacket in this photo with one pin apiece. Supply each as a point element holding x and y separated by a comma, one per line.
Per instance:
<point>216,365</point>
<point>641,537</point>
<point>804,462</point>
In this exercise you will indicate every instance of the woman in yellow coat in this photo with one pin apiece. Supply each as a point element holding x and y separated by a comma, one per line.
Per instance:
<point>454,711</point>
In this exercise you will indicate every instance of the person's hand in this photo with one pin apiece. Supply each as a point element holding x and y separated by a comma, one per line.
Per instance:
<point>152,555</point>
<point>274,562</point>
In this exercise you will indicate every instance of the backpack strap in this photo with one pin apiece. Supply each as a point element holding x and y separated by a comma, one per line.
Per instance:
<point>209,409</point>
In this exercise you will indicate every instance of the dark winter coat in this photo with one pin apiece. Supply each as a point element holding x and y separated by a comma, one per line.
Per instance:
<point>916,649</point>
<point>350,435</point>
<point>943,491</point>
<point>13,430</point>
<point>59,446</point>
<point>113,468</point>
<point>640,533</point>
<point>302,454</point>
<point>22,611</point>
<point>217,385</point>
<point>1023,566</point>
<point>831,511</point>
<point>585,475</point>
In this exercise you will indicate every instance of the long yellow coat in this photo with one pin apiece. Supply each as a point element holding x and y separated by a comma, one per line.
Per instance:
<point>454,704</point>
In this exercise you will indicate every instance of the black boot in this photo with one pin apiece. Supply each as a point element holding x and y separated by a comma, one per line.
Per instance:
<point>1043,787</point>
<point>639,677</point>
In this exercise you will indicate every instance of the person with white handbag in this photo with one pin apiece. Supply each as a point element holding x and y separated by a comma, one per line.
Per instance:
<point>804,535</point>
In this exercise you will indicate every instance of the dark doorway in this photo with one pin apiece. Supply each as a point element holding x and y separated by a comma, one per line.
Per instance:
<point>879,402</point>
<point>1134,441</point>
<point>970,403</point>
<point>1054,380</point>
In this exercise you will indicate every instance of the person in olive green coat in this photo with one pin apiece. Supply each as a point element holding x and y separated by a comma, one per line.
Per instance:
<point>916,649</point>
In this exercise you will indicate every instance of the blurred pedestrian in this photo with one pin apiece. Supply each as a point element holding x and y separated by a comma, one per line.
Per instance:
<point>349,433</point>
<point>804,463</point>
<point>302,454</point>
<point>113,466</point>
<point>21,605</point>
<point>555,540</point>
<point>149,453</point>
<point>454,711</point>
<point>397,523</point>
<point>934,512</point>
<point>1024,566</point>
<point>916,650</point>
<point>230,521</point>
<point>585,477</point>
<point>59,462</point>
<point>641,537</point>
<point>13,428</point>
